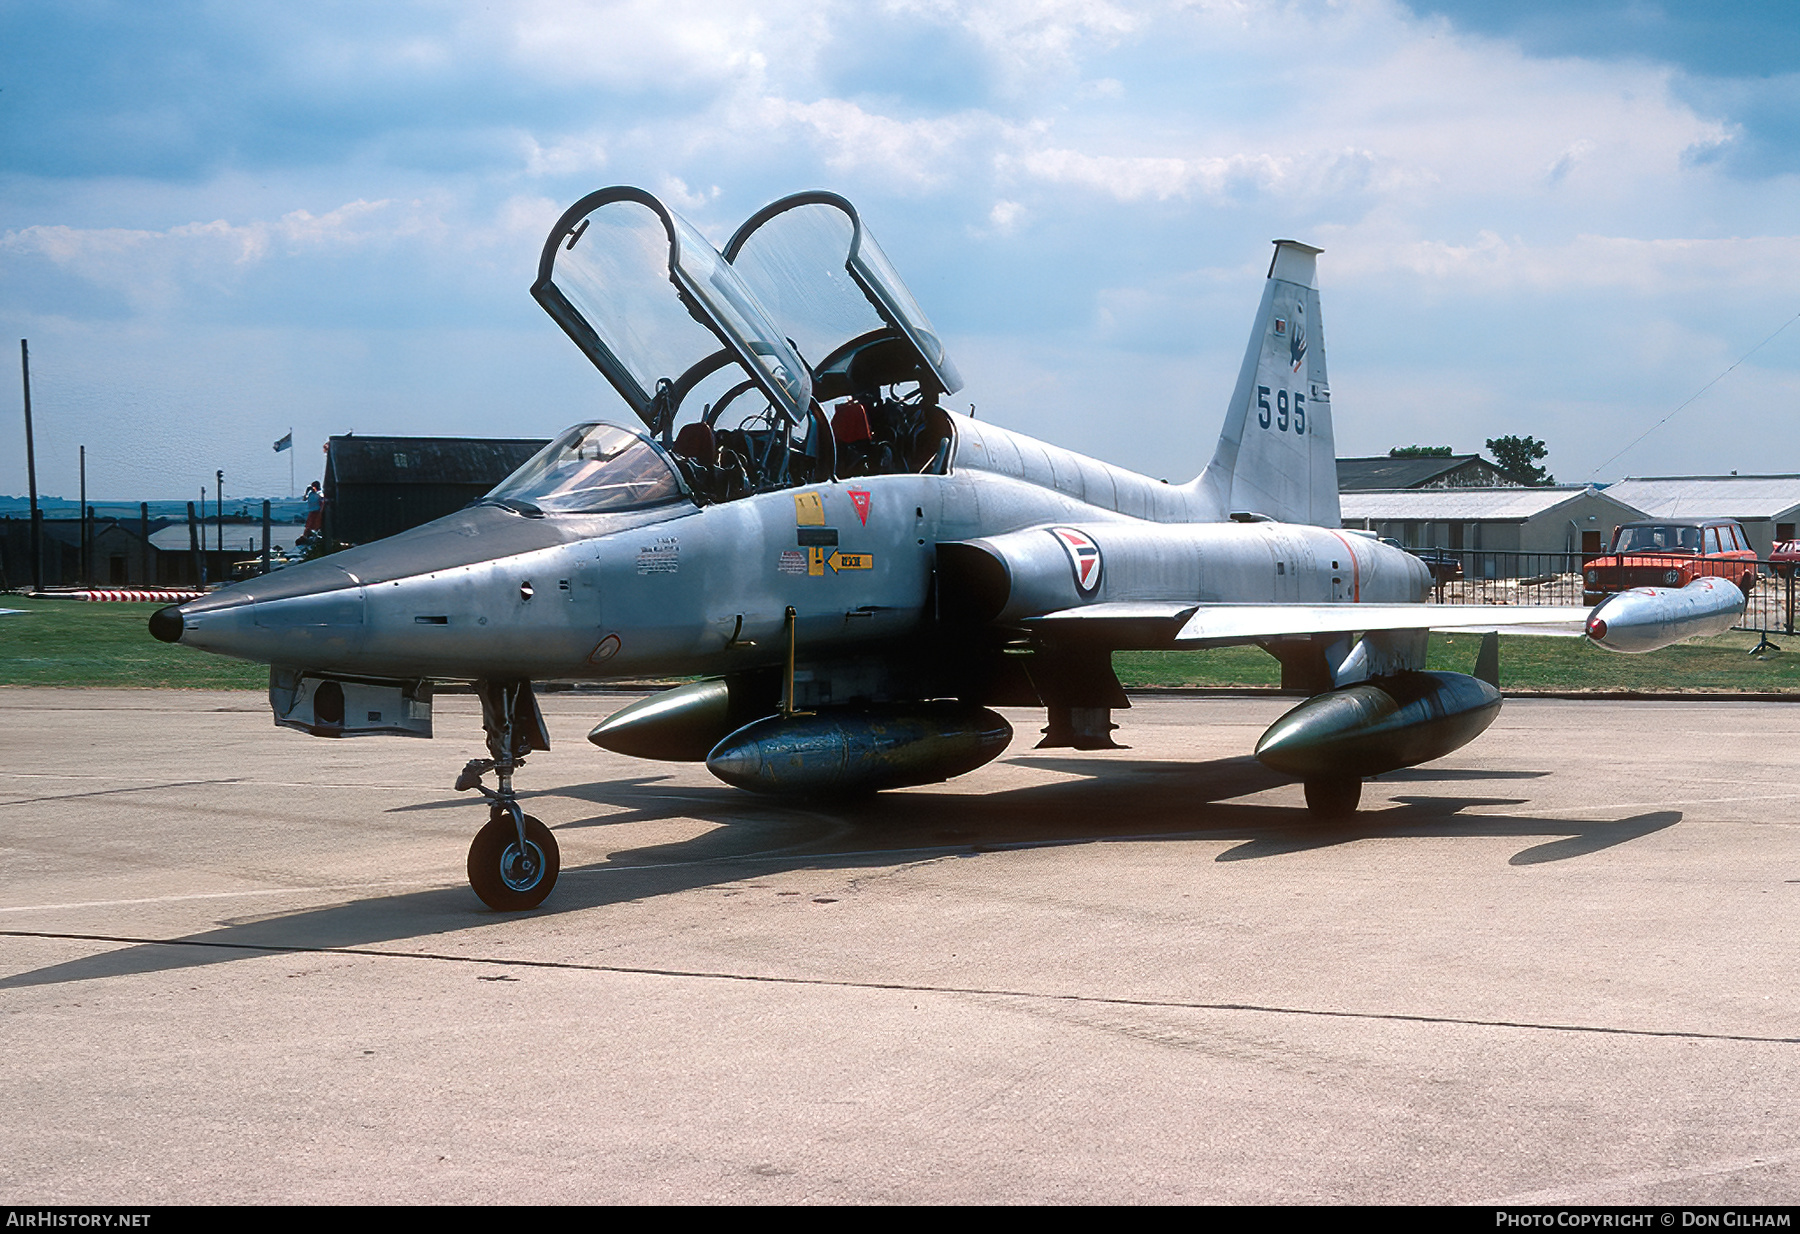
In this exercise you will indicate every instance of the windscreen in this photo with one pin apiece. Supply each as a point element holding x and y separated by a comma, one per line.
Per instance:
<point>589,469</point>
<point>1658,538</point>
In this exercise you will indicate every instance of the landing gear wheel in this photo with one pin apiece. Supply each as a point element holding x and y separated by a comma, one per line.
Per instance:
<point>501,875</point>
<point>1333,798</point>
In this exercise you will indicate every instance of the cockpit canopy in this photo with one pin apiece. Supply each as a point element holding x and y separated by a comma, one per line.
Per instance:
<point>726,361</point>
<point>591,469</point>
<point>655,307</point>
<point>821,274</point>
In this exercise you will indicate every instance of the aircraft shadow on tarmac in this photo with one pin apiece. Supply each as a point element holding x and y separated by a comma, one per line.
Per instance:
<point>1111,799</point>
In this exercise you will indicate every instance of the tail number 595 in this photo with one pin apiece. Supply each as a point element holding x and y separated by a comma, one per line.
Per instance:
<point>1289,410</point>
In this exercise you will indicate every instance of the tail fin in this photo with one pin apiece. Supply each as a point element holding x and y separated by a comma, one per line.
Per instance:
<point>1276,456</point>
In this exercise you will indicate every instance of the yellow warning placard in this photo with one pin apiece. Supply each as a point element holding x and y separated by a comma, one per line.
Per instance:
<point>852,561</point>
<point>815,561</point>
<point>809,510</point>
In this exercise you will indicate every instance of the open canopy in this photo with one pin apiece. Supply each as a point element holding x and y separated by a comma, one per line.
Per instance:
<point>728,364</point>
<point>657,310</point>
<point>822,276</point>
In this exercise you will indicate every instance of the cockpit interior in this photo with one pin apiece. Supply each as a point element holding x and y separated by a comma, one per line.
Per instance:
<point>732,359</point>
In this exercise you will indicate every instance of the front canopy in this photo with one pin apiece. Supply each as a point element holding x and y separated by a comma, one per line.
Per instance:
<point>657,310</point>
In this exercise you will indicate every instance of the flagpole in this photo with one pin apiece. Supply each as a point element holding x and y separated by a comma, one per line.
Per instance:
<point>290,455</point>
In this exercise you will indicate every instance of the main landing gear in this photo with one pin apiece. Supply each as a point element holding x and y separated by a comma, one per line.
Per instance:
<point>1333,797</point>
<point>514,861</point>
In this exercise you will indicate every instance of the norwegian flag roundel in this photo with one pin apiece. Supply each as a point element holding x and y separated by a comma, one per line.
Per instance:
<point>1084,558</point>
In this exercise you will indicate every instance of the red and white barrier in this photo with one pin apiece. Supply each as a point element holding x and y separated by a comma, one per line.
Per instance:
<point>139,595</point>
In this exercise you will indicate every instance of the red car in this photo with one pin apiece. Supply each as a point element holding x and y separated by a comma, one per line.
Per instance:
<point>1668,553</point>
<point>1784,557</point>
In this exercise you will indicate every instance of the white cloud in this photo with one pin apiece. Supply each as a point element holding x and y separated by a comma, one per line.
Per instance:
<point>910,154</point>
<point>1490,265</point>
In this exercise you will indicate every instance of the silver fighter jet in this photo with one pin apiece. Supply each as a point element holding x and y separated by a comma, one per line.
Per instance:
<point>856,574</point>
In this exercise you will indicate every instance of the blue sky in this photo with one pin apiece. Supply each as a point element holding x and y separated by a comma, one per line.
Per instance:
<point>218,221</point>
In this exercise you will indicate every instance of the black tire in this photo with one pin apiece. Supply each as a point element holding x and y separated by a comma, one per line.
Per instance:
<point>1333,798</point>
<point>494,867</point>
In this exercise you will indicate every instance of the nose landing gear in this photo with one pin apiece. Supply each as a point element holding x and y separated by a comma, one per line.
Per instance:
<point>514,861</point>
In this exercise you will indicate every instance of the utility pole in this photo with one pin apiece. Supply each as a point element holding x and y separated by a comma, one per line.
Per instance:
<point>144,545</point>
<point>37,516</point>
<point>82,573</point>
<point>194,543</point>
<point>219,509</point>
<point>265,568</point>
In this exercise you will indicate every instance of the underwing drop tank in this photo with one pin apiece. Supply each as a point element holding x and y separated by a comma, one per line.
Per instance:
<point>1379,725</point>
<point>1647,618</point>
<point>861,749</point>
<point>681,725</point>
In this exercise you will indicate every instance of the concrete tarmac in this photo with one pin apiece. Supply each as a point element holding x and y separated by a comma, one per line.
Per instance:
<point>241,965</point>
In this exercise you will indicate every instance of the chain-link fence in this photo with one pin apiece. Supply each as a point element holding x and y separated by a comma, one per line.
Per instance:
<point>1470,576</point>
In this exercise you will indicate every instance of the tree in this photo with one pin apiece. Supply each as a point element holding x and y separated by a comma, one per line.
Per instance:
<point>1518,456</point>
<point>1420,452</point>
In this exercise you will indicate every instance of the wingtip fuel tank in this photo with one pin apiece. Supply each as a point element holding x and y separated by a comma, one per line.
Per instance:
<point>1647,618</point>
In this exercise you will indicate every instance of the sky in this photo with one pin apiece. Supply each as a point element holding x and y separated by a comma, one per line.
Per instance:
<point>220,221</point>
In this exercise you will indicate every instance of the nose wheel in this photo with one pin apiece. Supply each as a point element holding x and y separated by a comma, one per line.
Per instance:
<point>507,875</point>
<point>513,862</point>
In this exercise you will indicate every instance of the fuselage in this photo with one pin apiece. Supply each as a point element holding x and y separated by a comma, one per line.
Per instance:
<point>687,589</point>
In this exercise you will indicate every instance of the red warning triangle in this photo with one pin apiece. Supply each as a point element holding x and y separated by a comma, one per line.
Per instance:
<point>861,502</point>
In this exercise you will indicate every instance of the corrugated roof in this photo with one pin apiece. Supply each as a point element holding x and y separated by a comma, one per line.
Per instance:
<point>1744,497</point>
<point>1465,505</point>
<point>429,460</point>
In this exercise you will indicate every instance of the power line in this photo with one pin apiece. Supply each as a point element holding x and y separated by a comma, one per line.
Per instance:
<point>1702,390</point>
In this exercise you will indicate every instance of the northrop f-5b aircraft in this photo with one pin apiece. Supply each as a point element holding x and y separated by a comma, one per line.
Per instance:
<point>855,574</point>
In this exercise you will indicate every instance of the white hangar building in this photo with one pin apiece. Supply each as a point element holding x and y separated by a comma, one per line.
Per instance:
<point>1767,506</point>
<point>1557,519</point>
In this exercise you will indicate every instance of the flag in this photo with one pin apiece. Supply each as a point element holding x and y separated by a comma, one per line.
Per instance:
<point>286,443</point>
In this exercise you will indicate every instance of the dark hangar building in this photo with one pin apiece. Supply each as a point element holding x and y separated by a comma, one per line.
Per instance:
<point>1386,473</point>
<point>376,487</point>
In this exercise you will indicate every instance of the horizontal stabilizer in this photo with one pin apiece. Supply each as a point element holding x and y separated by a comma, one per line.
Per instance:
<point>1246,622</point>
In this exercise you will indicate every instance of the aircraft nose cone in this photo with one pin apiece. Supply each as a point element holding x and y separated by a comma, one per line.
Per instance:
<point>167,624</point>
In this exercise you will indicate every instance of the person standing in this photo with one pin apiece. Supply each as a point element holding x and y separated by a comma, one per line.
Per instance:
<point>315,502</point>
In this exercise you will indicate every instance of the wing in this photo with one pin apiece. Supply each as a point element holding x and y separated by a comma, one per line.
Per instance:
<point>1132,625</point>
